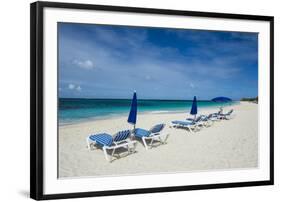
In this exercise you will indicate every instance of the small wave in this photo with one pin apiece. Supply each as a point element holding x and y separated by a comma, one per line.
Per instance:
<point>158,112</point>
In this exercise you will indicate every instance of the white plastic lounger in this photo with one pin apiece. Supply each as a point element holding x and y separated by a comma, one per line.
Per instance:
<point>215,116</point>
<point>202,120</point>
<point>108,142</point>
<point>207,121</point>
<point>155,133</point>
<point>192,126</point>
<point>227,115</point>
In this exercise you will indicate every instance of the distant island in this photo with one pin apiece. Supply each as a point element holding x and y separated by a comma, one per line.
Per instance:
<point>254,100</point>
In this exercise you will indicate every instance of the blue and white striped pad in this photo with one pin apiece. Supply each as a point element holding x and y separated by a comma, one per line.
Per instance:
<point>183,123</point>
<point>157,128</point>
<point>102,139</point>
<point>121,135</point>
<point>139,132</point>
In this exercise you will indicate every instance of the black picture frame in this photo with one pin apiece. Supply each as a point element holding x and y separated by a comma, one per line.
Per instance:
<point>36,98</point>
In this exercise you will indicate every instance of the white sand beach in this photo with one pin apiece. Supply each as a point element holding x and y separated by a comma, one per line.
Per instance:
<point>227,144</point>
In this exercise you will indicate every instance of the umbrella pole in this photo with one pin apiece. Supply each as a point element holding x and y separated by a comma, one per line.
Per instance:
<point>132,136</point>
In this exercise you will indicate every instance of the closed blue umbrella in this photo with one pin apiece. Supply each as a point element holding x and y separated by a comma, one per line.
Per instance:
<point>193,110</point>
<point>133,112</point>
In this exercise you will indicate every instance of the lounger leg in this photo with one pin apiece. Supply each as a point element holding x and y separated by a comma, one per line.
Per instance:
<point>160,139</point>
<point>113,152</point>
<point>196,128</point>
<point>134,147</point>
<point>166,138</point>
<point>190,130</point>
<point>163,138</point>
<point>144,142</point>
<point>131,147</point>
<point>105,154</point>
<point>128,148</point>
<point>88,143</point>
<point>151,142</point>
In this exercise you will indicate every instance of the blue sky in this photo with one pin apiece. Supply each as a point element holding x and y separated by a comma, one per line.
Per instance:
<point>102,61</point>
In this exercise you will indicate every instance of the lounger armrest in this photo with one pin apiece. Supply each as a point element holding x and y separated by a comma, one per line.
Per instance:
<point>154,134</point>
<point>121,142</point>
<point>126,143</point>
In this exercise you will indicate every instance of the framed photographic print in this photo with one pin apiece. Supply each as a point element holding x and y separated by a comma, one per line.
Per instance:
<point>136,100</point>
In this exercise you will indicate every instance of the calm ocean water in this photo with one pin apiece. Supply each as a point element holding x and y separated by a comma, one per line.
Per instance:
<point>74,110</point>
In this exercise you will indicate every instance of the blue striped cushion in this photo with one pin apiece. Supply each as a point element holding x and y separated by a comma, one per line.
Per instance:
<point>157,128</point>
<point>102,139</point>
<point>198,119</point>
<point>139,132</point>
<point>230,112</point>
<point>184,123</point>
<point>121,135</point>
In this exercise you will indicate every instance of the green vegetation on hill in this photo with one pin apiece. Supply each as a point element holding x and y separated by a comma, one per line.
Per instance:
<point>255,100</point>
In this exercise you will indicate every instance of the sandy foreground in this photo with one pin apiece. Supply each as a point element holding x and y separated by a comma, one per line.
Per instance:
<point>227,144</point>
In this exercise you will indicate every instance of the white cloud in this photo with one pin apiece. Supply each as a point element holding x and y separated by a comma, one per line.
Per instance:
<point>71,86</point>
<point>85,64</point>
<point>147,77</point>
<point>78,88</point>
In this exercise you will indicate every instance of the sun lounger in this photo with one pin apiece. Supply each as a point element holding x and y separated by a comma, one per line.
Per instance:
<point>192,126</point>
<point>108,142</point>
<point>227,115</point>
<point>207,121</point>
<point>155,133</point>
<point>215,116</point>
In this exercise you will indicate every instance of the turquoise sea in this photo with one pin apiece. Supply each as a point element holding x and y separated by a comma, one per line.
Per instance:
<point>72,110</point>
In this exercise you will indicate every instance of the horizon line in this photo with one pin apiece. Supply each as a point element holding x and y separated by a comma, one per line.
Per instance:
<point>142,99</point>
